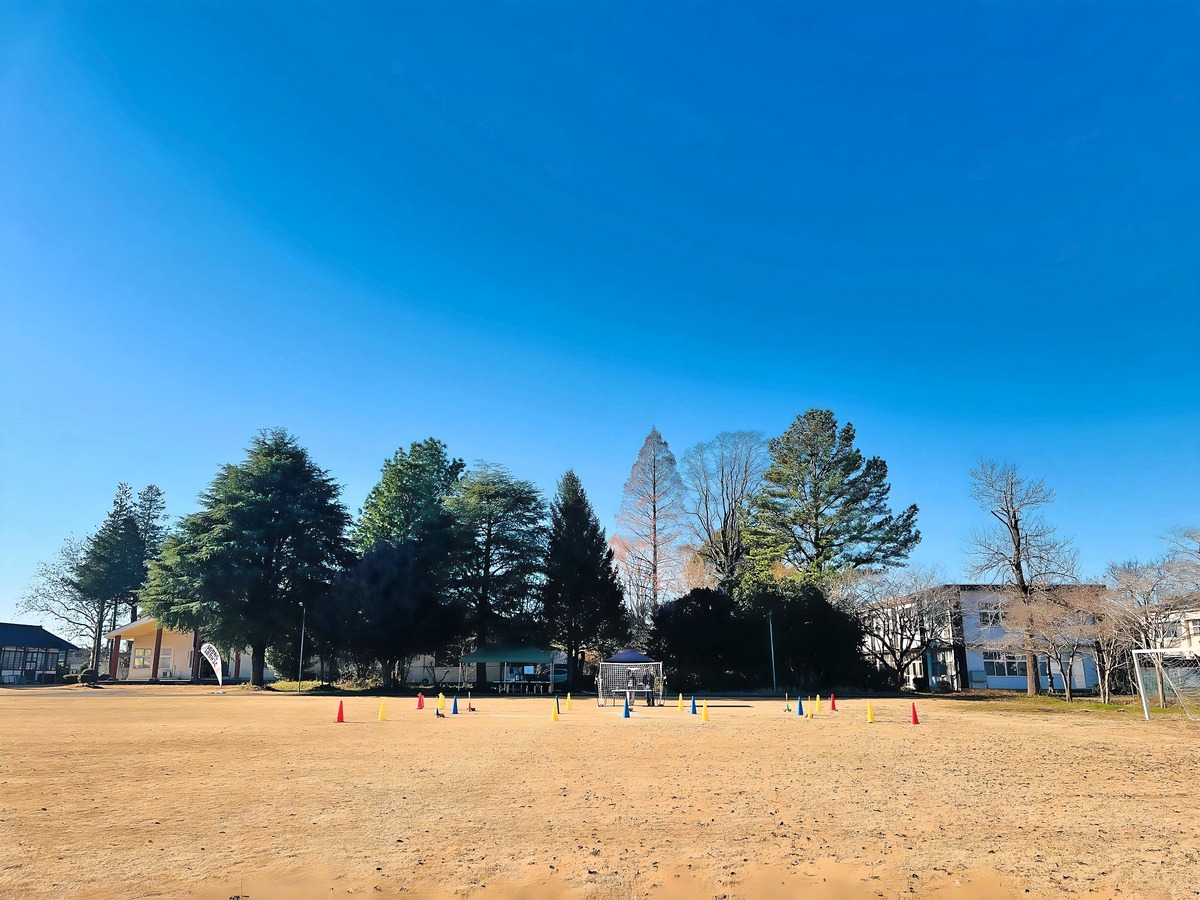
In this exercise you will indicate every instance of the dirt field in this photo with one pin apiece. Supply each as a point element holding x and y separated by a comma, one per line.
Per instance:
<point>175,792</point>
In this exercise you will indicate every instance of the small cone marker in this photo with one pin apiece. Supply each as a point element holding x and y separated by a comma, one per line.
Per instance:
<point>454,706</point>
<point>870,712</point>
<point>554,711</point>
<point>787,706</point>
<point>832,703</point>
<point>341,717</point>
<point>693,705</point>
<point>568,701</point>
<point>470,707</point>
<point>681,702</point>
<point>626,715</point>
<point>817,708</point>
<point>420,700</point>
<point>799,707</point>
<point>704,716</point>
<point>382,710</point>
<point>915,720</point>
<point>441,701</point>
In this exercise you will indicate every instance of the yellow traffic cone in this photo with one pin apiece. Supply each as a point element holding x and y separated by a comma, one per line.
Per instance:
<point>568,701</point>
<point>382,710</point>
<point>681,702</point>
<point>870,712</point>
<point>441,701</point>
<point>818,707</point>
<point>704,715</point>
<point>554,711</point>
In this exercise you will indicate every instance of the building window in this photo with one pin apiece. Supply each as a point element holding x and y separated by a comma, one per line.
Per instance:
<point>1195,626</point>
<point>142,657</point>
<point>1003,665</point>
<point>990,615</point>
<point>10,659</point>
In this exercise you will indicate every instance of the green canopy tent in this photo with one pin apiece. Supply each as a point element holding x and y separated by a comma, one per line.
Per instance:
<point>518,666</point>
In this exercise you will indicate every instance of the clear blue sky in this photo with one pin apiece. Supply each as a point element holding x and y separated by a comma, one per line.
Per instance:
<point>534,230</point>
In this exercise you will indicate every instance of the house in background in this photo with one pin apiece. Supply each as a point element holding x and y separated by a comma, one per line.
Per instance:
<point>155,654</point>
<point>29,654</point>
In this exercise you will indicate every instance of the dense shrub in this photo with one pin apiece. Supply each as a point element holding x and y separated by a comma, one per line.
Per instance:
<point>70,679</point>
<point>88,676</point>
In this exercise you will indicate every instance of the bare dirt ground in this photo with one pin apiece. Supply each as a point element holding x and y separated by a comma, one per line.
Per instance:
<point>166,792</point>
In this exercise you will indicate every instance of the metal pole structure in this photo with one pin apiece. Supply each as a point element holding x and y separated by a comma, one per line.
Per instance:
<point>771,630</point>
<point>300,674</point>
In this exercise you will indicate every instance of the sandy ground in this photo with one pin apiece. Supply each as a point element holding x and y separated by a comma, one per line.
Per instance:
<point>176,792</point>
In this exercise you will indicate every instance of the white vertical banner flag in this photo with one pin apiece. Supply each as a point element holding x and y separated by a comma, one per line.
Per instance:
<point>209,652</point>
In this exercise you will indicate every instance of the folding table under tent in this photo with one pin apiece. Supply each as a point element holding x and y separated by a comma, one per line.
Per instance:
<point>518,667</point>
<point>612,684</point>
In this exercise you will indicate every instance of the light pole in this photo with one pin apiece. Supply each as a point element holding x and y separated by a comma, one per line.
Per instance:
<point>300,674</point>
<point>771,631</point>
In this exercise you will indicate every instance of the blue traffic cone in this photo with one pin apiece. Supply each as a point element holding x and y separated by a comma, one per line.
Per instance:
<point>454,706</point>
<point>693,705</point>
<point>626,716</point>
<point>800,707</point>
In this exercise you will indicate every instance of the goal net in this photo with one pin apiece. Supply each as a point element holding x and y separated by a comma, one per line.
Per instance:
<point>1168,676</point>
<point>617,682</point>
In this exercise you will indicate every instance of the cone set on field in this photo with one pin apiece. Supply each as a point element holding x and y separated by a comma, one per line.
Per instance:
<point>787,706</point>
<point>832,703</point>
<point>454,706</point>
<point>799,707</point>
<point>568,701</point>
<point>341,716</point>
<point>693,705</point>
<point>681,702</point>
<point>915,720</point>
<point>420,700</point>
<point>554,711</point>
<point>383,710</point>
<point>704,716</point>
<point>626,713</point>
<point>870,712</point>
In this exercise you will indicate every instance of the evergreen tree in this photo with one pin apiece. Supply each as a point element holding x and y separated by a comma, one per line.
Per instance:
<point>113,567</point>
<point>271,533</point>
<point>410,495</point>
<point>582,600</point>
<point>500,520</point>
<point>823,506</point>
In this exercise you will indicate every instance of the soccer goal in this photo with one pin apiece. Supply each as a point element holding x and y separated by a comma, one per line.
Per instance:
<point>1163,674</point>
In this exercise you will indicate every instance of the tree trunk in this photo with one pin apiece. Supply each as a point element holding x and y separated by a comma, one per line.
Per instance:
<point>258,663</point>
<point>96,639</point>
<point>1033,677</point>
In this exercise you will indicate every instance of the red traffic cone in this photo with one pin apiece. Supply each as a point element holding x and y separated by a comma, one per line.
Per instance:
<point>832,703</point>
<point>341,716</point>
<point>915,720</point>
<point>420,700</point>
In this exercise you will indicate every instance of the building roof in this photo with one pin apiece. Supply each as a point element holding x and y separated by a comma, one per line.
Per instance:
<point>502,654</point>
<point>33,637</point>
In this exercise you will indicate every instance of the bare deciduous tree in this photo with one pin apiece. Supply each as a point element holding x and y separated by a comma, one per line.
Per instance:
<point>55,594</point>
<point>902,612</point>
<point>721,476</point>
<point>1022,554</point>
<point>650,520</point>
<point>1064,626</point>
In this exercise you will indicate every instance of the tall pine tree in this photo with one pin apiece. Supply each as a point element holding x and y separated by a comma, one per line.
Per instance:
<point>823,507</point>
<point>271,533</point>
<point>582,600</point>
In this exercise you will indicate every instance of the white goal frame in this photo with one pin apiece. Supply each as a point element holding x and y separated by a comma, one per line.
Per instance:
<point>613,679</point>
<point>1176,668</point>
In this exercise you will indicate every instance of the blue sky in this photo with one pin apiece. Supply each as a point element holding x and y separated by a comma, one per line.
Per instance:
<point>534,230</point>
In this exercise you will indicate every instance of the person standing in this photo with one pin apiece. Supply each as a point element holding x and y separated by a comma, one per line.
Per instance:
<point>648,680</point>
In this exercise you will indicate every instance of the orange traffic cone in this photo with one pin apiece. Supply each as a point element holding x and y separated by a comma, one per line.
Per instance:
<point>341,716</point>
<point>915,720</point>
<point>420,700</point>
<point>832,703</point>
